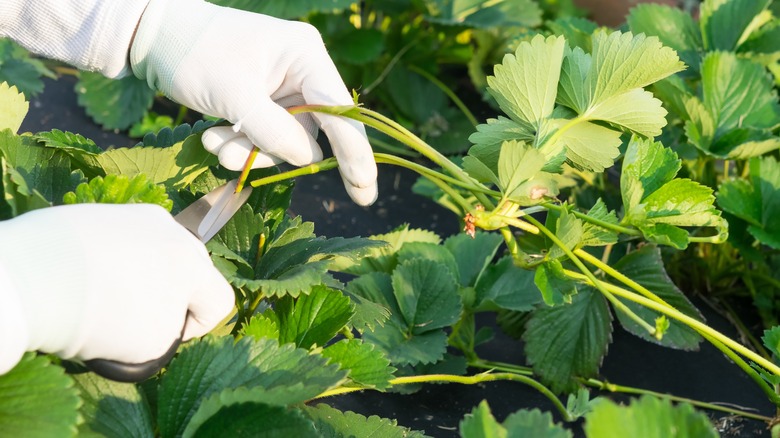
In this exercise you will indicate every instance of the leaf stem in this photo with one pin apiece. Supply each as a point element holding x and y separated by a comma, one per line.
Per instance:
<point>723,342</point>
<point>619,305</point>
<point>603,224</point>
<point>311,169</point>
<point>611,387</point>
<point>247,167</point>
<point>466,380</point>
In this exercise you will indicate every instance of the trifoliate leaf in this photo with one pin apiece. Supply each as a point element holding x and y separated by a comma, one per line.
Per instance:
<point>119,189</point>
<point>383,258</point>
<point>367,366</point>
<point>473,255</point>
<point>286,10</point>
<point>37,399</point>
<point>673,27</point>
<point>771,340</point>
<point>535,423</point>
<point>506,286</point>
<point>652,197</point>
<point>646,267</point>
<point>724,22</point>
<point>555,287</point>
<point>312,319</point>
<point>14,107</point>
<point>332,423</point>
<point>484,13</point>
<point>480,423</point>
<point>595,235</point>
<point>525,84</point>
<point>426,295</point>
<point>101,97</point>
<point>211,365</point>
<point>569,340</point>
<point>403,349</point>
<point>174,167</point>
<point>249,419</point>
<point>649,417</point>
<point>112,408</point>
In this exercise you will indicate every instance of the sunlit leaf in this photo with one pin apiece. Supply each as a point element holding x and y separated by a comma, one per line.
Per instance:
<point>367,366</point>
<point>332,423</point>
<point>119,189</point>
<point>112,408</point>
<point>37,399</point>
<point>649,417</point>
<point>14,107</point>
<point>314,318</point>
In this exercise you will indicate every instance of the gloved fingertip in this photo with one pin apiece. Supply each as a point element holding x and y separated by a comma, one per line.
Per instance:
<point>211,304</point>
<point>214,138</point>
<point>363,196</point>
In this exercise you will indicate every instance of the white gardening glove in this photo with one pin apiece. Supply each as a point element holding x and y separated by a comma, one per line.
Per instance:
<point>104,281</point>
<point>245,67</point>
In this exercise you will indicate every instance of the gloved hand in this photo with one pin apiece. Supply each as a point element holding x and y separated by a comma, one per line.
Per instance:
<point>245,67</point>
<point>104,281</point>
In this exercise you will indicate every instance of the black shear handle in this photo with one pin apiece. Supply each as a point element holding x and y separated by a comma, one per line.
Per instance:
<point>132,372</point>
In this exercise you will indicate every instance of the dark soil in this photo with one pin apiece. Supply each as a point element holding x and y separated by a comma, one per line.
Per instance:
<point>705,375</point>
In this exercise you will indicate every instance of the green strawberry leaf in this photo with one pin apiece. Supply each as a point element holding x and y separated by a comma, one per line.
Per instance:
<point>506,286</point>
<point>646,267</point>
<point>595,235</point>
<point>367,366</point>
<point>480,423</point>
<point>673,27</point>
<point>525,423</point>
<point>248,418</point>
<point>665,419</point>
<point>569,340</point>
<point>14,107</point>
<point>426,295</point>
<point>119,189</point>
<point>429,251</point>
<point>473,255</point>
<point>20,69</point>
<point>553,284</point>
<point>332,423</point>
<point>206,367</point>
<point>112,408</point>
<point>484,13</point>
<point>771,340</point>
<point>384,258</point>
<point>261,326</point>
<point>37,399</point>
<point>569,230</point>
<point>101,97</point>
<point>34,185</point>
<point>403,349</point>
<point>723,23</point>
<point>525,83</point>
<point>166,136</point>
<point>312,319</point>
<point>756,201</point>
<point>74,144</point>
<point>174,167</point>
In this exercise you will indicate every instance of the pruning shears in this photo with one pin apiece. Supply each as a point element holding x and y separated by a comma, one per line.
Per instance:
<point>203,218</point>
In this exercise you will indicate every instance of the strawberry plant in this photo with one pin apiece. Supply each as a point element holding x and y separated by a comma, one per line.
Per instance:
<point>572,201</point>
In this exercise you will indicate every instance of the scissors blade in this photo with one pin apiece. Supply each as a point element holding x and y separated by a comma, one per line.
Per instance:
<point>206,216</point>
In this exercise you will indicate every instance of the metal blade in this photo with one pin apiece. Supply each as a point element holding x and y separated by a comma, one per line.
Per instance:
<point>206,216</point>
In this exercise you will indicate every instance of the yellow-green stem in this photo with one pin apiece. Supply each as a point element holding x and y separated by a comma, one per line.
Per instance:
<point>247,167</point>
<point>466,380</point>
